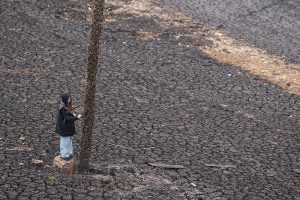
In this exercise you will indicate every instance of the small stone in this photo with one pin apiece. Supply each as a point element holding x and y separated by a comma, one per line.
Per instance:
<point>21,164</point>
<point>66,166</point>
<point>193,184</point>
<point>225,50</point>
<point>91,188</point>
<point>22,138</point>
<point>224,105</point>
<point>37,163</point>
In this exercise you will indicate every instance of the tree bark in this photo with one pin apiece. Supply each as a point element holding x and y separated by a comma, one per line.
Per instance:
<point>91,71</point>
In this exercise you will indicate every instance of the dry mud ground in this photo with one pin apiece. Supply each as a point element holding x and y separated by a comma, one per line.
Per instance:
<point>160,98</point>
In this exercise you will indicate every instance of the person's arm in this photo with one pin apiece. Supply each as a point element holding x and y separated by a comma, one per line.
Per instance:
<point>68,118</point>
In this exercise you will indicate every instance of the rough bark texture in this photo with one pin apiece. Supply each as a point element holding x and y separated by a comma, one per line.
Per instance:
<point>89,103</point>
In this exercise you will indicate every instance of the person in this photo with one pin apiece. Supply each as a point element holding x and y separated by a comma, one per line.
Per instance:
<point>65,126</point>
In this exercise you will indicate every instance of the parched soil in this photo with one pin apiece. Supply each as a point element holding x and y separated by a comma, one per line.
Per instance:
<point>159,99</point>
<point>225,47</point>
<point>272,25</point>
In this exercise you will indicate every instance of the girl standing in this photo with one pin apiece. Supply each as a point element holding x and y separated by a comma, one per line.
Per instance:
<point>65,126</point>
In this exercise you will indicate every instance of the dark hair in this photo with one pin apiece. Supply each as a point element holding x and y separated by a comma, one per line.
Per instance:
<point>65,98</point>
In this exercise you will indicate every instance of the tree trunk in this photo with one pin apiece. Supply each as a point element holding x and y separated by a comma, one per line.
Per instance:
<point>89,103</point>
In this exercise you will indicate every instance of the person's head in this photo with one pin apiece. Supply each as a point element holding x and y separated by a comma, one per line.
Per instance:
<point>67,100</point>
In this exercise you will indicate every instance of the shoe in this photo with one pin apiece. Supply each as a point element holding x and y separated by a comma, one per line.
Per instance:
<point>67,158</point>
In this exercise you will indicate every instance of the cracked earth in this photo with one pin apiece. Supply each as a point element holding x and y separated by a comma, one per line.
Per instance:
<point>161,97</point>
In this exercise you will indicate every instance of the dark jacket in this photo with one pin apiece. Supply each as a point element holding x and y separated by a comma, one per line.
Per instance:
<point>65,125</point>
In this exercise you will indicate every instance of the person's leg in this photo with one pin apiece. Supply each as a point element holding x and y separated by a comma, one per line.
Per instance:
<point>71,146</point>
<point>64,147</point>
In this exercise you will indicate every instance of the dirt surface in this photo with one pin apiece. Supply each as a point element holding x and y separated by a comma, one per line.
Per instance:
<point>272,25</point>
<point>159,99</point>
<point>217,43</point>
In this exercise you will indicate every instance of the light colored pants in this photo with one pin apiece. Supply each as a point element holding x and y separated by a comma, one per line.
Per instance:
<point>66,146</point>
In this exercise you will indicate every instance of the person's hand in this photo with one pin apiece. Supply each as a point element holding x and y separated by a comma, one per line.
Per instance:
<point>79,116</point>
